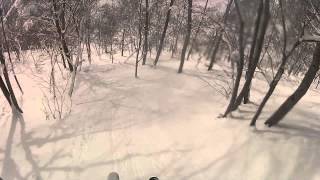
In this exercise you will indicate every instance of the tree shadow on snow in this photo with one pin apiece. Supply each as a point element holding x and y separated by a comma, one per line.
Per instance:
<point>11,168</point>
<point>41,171</point>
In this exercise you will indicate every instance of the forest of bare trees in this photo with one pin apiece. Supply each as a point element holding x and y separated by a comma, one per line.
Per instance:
<point>239,43</point>
<point>253,33</point>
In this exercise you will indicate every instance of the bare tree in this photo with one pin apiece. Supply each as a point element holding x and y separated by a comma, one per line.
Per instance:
<point>7,89</point>
<point>139,39</point>
<point>163,36</point>
<point>262,29</point>
<point>59,23</point>
<point>187,38</point>
<point>6,86</point>
<point>300,91</point>
<point>146,33</point>
<point>8,51</point>
<point>253,48</point>
<point>122,41</point>
<point>281,69</point>
<point>219,36</point>
<point>240,63</point>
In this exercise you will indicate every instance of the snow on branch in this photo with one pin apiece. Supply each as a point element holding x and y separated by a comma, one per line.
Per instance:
<point>310,38</point>
<point>14,5</point>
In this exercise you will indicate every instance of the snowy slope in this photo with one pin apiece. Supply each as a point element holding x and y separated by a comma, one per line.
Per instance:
<point>162,124</point>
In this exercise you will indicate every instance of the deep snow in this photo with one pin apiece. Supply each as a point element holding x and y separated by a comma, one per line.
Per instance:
<point>163,124</point>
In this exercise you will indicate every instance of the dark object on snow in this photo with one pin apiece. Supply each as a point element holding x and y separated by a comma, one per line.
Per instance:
<point>154,178</point>
<point>113,176</point>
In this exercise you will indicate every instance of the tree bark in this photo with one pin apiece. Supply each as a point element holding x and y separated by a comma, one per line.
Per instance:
<point>240,63</point>
<point>146,33</point>
<point>88,39</point>
<point>79,56</point>
<point>139,42</point>
<point>287,106</point>
<point>8,89</point>
<point>5,90</point>
<point>9,54</point>
<point>122,41</point>
<point>62,58</point>
<point>253,47</point>
<point>163,36</point>
<point>187,38</point>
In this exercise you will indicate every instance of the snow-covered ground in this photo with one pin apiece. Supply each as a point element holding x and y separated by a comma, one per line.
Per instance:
<point>163,124</point>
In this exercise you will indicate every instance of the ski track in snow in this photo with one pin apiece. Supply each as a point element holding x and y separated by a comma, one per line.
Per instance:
<point>162,124</point>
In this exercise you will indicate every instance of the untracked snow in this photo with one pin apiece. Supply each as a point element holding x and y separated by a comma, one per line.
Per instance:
<point>163,124</point>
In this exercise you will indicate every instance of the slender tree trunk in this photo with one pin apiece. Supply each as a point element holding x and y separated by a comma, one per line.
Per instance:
<point>88,45</point>
<point>300,92</point>
<point>146,33</point>
<point>9,54</point>
<point>100,36</point>
<point>240,62</point>
<point>111,51</point>
<point>163,36</point>
<point>5,90</point>
<point>219,36</point>
<point>61,34</point>
<point>8,89</point>
<point>62,18</point>
<point>62,58</point>
<point>122,41</point>
<point>78,59</point>
<point>139,41</point>
<point>150,51</point>
<point>253,47</point>
<point>272,87</point>
<point>88,39</point>
<point>187,39</point>
<point>157,26</point>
